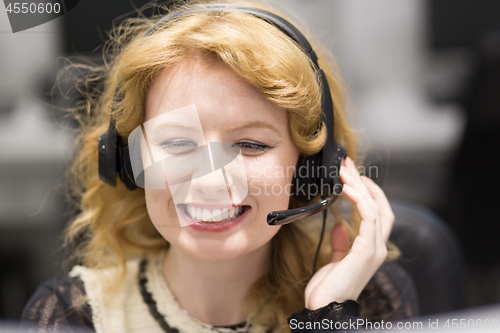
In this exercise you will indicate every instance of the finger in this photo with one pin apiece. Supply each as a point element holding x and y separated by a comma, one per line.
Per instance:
<point>379,196</point>
<point>380,244</point>
<point>351,176</point>
<point>339,239</point>
<point>365,242</point>
<point>386,213</point>
<point>379,239</point>
<point>349,181</point>
<point>365,209</point>
<point>360,185</point>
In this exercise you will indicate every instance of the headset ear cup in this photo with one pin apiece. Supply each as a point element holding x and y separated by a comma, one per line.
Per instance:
<point>305,182</point>
<point>113,158</point>
<point>328,175</point>
<point>313,176</point>
<point>107,157</point>
<point>125,168</point>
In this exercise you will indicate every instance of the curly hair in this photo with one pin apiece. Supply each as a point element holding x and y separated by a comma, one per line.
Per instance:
<point>115,220</point>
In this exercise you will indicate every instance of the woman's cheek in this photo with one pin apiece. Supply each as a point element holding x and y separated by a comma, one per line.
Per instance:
<point>258,177</point>
<point>271,183</point>
<point>160,207</point>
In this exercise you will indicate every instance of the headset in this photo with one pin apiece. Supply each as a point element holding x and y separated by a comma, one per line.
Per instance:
<point>114,156</point>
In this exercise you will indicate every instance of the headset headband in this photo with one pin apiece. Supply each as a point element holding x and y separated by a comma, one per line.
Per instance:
<point>114,156</point>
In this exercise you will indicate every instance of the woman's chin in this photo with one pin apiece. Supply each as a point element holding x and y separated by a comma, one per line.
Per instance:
<point>213,249</point>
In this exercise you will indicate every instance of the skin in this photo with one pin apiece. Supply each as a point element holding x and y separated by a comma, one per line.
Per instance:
<point>217,269</point>
<point>351,268</point>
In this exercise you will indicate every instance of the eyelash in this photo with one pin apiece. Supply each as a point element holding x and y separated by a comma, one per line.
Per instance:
<point>254,147</point>
<point>176,143</point>
<point>179,144</point>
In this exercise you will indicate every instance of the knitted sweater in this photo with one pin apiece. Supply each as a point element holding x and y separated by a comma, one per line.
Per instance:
<point>144,303</point>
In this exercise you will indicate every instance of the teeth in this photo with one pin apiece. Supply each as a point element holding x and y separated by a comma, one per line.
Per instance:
<point>213,216</point>
<point>206,215</point>
<point>216,215</point>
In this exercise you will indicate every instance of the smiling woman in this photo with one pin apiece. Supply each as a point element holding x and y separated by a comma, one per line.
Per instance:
<point>222,101</point>
<point>215,105</point>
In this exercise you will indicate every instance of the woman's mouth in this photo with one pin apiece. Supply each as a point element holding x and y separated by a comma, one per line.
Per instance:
<point>207,214</point>
<point>213,219</point>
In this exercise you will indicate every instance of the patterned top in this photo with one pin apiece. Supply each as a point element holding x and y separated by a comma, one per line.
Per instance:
<point>86,302</point>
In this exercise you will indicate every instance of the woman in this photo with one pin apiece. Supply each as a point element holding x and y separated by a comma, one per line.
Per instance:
<point>194,253</point>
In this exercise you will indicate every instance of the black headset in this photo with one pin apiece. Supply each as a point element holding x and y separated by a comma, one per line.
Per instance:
<point>114,154</point>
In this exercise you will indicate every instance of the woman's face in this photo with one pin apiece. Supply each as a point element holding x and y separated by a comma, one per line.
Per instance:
<point>231,111</point>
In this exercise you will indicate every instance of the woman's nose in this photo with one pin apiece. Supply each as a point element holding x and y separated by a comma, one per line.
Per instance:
<point>212,187</point>
<point>227,178</point>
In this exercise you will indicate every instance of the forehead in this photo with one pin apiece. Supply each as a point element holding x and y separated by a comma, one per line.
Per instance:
<point>220,95</point>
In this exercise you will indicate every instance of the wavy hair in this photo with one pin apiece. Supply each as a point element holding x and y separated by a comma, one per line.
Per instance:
<point>114,221</point>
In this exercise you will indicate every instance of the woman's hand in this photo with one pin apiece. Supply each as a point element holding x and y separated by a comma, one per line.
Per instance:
<point>351,268</point>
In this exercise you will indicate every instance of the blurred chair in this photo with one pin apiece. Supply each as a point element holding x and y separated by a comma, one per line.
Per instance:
<point>432,256</point>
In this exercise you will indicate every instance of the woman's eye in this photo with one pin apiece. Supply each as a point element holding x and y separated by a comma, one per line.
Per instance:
<point>178,146</point>
<point>252,148</point>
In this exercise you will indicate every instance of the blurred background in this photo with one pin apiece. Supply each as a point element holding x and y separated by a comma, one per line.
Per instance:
<point>424,82</point>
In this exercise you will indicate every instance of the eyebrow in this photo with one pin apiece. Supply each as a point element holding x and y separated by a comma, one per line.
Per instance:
<point>257,123</point>
<point>174,124</point>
